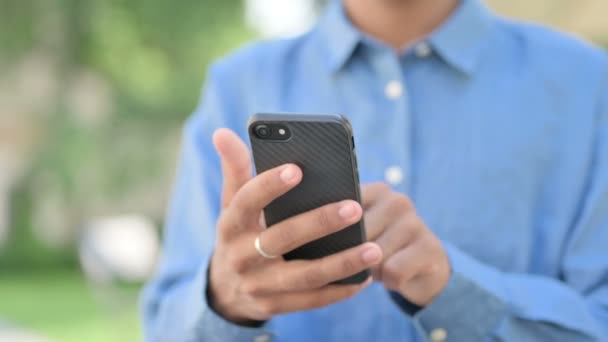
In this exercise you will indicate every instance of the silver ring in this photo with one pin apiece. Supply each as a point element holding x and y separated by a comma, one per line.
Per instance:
<point>258,248</point>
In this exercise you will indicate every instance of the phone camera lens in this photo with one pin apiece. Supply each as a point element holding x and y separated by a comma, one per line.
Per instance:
<point>262,131</point>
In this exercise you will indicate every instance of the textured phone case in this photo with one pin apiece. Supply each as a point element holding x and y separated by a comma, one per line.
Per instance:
<point>321,145</point>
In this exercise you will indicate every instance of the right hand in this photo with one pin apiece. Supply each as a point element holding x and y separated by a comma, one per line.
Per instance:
<point>243,285</point>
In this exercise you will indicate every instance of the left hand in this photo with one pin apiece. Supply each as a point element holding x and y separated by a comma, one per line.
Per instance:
<point>415,263</point>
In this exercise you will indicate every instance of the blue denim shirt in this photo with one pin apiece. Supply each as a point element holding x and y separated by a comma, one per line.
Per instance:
<point>497,130</point>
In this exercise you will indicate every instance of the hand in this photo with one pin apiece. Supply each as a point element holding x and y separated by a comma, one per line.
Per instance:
<point>415,263</point>
<point>243,285</point>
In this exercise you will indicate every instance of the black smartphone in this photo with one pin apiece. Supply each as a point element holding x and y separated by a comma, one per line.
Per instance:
<point>323,147</point>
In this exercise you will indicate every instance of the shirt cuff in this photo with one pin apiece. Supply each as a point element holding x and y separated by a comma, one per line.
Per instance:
<point>468,309</point>
<point>213,327</point>
<point>405,305</point>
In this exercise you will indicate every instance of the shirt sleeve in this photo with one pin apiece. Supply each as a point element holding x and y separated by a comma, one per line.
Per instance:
<point>174,302</point>
<point>481,302</point>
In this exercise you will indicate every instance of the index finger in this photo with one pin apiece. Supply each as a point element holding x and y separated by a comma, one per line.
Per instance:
<point>260,191</point>
<point>300,229</point>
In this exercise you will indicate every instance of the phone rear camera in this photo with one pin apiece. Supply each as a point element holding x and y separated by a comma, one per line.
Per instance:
<point>262,131</point>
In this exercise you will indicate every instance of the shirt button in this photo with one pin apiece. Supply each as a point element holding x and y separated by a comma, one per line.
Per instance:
<point>393,175</point>
<point>422,50</point>
<point>438,335</point>
<point>262,338</point>
<point>393,90</point>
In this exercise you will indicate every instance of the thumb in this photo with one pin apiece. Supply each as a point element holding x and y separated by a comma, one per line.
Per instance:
<point>236,163</point>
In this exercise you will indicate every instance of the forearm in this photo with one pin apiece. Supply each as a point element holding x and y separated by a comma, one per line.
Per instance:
<point>482,303</point>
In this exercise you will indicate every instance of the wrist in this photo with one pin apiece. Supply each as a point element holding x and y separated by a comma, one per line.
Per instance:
<point>225,310</point>
<point>429,285</point>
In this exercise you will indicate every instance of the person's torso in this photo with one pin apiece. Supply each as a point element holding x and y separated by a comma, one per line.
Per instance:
<point>495,160</point>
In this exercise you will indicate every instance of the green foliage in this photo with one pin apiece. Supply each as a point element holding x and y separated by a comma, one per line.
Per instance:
<point>16,28</point>
<point>25,252</point>
<point>147,61</point>
<point>156,51</point>
<point>60,305</point>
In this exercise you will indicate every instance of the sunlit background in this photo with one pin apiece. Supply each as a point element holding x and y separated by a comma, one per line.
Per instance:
<point>93,94</point>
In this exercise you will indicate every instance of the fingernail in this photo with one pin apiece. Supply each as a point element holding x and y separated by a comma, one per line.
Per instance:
<point>371,255</point>
<point>288,174</point>
<point>347,210</point>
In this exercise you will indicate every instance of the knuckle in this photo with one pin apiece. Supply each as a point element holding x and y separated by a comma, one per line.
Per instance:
<point>417,221</point>
<point>436,244</point>
<point>239,200</point>
<point>431,268</point>
<point>407,202</point>
<point>286,237</point>
<point>267,308</point>
<point>348,266</point>
<point>393,206</point>
<point>234,215</point>
<point>400,203</point>
<point>313,277</point>
<point>428,242</point>
<point>266,181</point>
<point>223,220</point>
<point>390,270</point>
<point>241,171</point>
<point>269,181</point>
<point>323,217</point>
<point>411,225</point>
<point>282,282</point>
<point>250,288</point>
<point>237,263</point>
<point>225,223</point>
<point>383,188</point>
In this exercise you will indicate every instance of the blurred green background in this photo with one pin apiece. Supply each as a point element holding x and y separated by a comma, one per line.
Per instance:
<point>93,94</point>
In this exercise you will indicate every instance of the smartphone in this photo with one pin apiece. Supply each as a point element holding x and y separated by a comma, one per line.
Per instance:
<point>323,147</point>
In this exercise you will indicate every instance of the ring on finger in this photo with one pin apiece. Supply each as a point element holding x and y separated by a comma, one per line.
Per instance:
<point>260,250</point>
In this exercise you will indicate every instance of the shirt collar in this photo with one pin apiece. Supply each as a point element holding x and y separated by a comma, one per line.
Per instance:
<point>459,41</point>
<point>341,37</point>
<point>461,38</point>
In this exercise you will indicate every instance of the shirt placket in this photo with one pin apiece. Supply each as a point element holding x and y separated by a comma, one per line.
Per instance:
<point>395,109</point>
